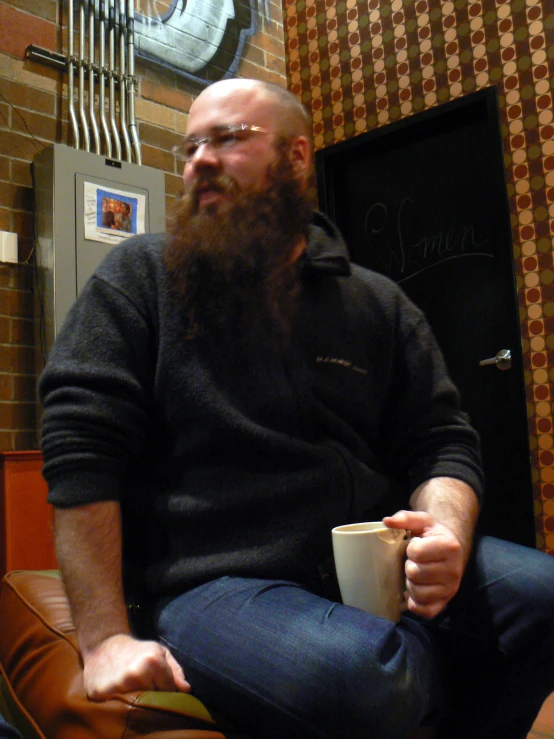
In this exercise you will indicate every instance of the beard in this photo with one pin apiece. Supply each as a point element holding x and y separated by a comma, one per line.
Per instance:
<point>231,270</point>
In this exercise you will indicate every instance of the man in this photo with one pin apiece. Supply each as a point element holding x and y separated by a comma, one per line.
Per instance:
<point>108,216</point>
<point>126,220</point>
<point>216,402</point>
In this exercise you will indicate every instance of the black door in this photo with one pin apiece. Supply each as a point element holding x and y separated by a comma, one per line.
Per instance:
<point>424,202</point>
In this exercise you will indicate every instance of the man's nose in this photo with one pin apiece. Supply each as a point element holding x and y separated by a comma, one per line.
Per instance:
<point>205,155</point>
<point>204,162</point>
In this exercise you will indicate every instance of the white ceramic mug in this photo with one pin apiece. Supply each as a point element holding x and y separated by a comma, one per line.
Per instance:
<point>369,560</point>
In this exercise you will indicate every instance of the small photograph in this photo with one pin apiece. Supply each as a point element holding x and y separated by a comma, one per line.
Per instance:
<point>117,214</point>
<point>112,215</point>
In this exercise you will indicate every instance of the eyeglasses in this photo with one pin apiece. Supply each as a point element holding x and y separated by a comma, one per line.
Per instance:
<point>222,137</point>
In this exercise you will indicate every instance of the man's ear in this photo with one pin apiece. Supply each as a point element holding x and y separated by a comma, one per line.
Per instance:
<point>300,156</point>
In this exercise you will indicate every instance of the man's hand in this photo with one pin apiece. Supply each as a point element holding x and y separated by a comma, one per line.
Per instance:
<point>121,664</point>
<point>88,546</point>
<point>435,562</point>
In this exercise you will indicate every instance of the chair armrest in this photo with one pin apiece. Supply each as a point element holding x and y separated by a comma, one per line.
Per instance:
<point>42,671</point>
<point>183,704</point>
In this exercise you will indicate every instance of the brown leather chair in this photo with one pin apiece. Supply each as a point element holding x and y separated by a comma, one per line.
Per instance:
<point>41,683</point>
<point>42,692</point>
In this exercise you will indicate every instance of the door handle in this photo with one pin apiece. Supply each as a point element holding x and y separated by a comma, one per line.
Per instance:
<point>503,360</point>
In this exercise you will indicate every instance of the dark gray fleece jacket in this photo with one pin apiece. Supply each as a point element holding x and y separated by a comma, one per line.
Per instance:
<point>234,462</point>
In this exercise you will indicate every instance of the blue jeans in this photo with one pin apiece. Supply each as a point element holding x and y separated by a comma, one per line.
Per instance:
<point>279,661</point>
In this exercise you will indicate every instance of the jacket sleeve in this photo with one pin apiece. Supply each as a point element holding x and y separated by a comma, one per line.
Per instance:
<point>96,396</point>
<point>427,431</point>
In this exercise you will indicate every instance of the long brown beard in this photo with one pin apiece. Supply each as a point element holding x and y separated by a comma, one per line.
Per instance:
<point>232,271</point>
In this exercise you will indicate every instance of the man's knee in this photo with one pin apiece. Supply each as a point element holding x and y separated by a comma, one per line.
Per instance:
<point>385,690</point>
<point>505,606</point>
<point>511,574</point>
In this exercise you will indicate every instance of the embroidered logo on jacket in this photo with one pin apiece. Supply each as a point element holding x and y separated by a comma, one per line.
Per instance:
<point>341,363</point>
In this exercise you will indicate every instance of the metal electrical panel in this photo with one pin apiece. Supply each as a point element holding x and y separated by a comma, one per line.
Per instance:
<point>73,234</point>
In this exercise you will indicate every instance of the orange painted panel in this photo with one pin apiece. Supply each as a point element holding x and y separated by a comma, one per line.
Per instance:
<point>26,538</point>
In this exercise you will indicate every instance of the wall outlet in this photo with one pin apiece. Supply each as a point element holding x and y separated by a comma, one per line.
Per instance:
<point>8,246</point>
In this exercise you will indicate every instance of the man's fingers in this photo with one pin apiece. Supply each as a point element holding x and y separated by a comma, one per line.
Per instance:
<point>434,562</point>
<point>167,673</point>
<point>180,683</point>
<point>425,594</point>
<point>436,548</point>
<point>123,664</point>
<point>101,690</point>
<point>162,678</point>
<point>429,588</point>
<point>414,521</point>
<point>428,574</point>
<point>430,610</point>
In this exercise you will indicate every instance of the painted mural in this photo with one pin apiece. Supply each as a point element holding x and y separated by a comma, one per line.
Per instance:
<point>203,40</point>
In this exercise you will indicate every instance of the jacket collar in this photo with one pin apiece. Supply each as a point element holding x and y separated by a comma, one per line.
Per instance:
<point>326,251</point>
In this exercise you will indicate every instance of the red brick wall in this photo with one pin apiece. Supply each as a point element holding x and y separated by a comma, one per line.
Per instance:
<point>33,114</point>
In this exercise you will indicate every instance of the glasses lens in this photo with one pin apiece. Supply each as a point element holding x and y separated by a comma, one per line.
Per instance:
<point>223,138</point>
<point>188,148</point>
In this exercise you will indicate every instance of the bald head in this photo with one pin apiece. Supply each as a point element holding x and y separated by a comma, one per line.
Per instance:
<point>290,116</point>
<point>272,123</point>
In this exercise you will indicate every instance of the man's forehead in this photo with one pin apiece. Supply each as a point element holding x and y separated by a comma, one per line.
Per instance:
<point>225,105</point>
